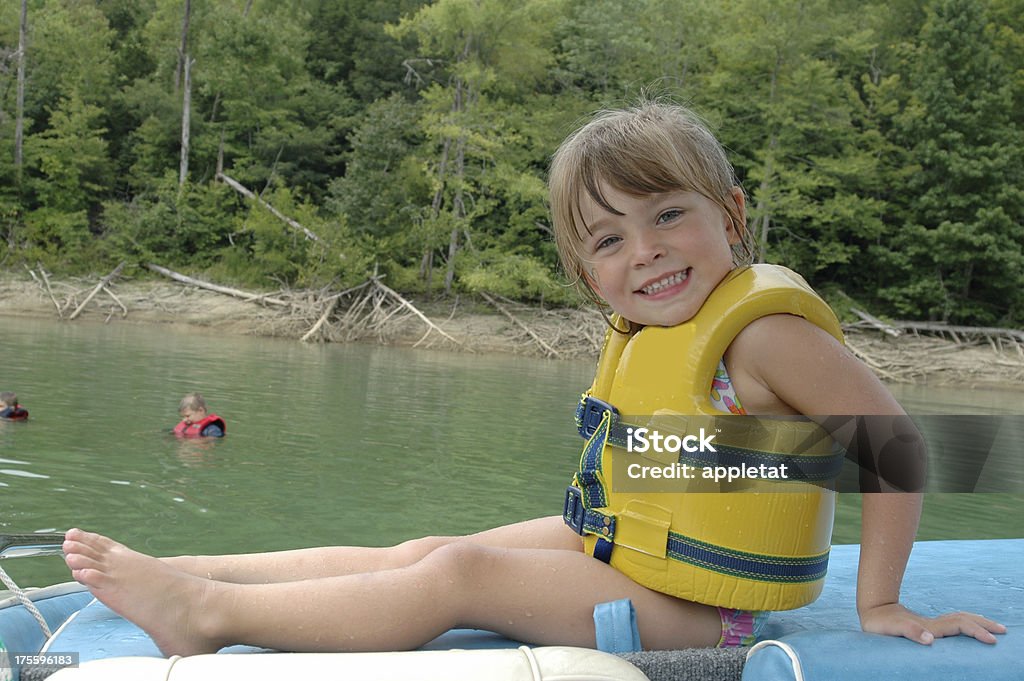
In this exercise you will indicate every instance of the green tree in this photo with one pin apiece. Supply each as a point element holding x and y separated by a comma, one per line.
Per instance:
<point>383,186</point>
<point>350,47</point>
<point>67,162</point>
<point>491,53</point>
<point>782,108</point>
<point>964,204</point>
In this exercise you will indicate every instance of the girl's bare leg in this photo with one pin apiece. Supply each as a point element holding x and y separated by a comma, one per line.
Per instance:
<point>332,561</point>
<point>543,596</point>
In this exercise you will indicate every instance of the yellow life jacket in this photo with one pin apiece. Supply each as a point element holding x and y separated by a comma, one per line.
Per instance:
<point>763,548</point>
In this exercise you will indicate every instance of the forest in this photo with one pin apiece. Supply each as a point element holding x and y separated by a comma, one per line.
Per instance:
<point>314,143</point>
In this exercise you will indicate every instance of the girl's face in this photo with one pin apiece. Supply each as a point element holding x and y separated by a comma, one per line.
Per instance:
<point>658,262</point>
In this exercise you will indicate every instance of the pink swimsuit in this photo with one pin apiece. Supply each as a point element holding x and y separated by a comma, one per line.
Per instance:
<point>739,627</point>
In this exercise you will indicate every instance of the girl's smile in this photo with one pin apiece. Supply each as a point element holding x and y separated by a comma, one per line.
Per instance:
<point>665,286</point>
<point>655,259</point>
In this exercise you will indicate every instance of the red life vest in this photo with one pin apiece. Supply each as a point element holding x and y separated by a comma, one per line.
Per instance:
<point>14,413</point>
<point>196,429</point>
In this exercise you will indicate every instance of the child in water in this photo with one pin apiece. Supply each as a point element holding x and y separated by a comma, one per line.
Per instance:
<point>649,219</point>
<point>10,409</point>
<point>196,421</point>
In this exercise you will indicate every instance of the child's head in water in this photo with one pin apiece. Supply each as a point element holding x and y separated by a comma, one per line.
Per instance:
<point>192,408</point>
<point>648,217</point>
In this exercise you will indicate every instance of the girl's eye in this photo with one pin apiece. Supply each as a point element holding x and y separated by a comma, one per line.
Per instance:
<point>669,216</point>
<point>606,242</point>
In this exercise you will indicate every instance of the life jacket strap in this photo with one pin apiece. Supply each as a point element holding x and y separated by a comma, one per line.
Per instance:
<point>760,567</point>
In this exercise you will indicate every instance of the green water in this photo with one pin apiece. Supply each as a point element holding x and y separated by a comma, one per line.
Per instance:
<point>336,444</point>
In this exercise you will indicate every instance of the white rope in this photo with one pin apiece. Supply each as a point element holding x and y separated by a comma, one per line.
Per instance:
<point>794,659</point>
<point>19,593</point>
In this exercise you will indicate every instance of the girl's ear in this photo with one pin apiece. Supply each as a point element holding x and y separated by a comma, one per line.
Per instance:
<point>732,228</point>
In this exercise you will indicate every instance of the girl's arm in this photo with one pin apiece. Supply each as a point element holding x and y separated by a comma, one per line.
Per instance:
<point>783,364</point>
<point>888,525</point>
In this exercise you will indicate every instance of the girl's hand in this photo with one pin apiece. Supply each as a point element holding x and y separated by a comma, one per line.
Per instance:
<point>895,620</point>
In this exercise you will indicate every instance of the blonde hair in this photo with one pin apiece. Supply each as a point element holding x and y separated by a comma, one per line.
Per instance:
<point>192,402</point>
<point>650,148</point>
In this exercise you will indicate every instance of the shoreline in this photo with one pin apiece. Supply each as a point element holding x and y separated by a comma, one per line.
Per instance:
<point>478,328</point>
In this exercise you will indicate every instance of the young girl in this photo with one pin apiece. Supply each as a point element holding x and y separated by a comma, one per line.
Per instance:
<point>649,219</point>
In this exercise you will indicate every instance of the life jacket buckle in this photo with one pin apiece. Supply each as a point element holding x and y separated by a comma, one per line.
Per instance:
<point>589,414</point>
<point>573,510</point>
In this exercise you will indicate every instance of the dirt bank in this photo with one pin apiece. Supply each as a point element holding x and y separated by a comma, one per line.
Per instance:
<point>471,326</point>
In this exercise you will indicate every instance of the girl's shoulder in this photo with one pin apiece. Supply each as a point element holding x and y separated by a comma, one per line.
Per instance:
<point>789,363</point>
<point>780,363</point>
<point>766,334</point>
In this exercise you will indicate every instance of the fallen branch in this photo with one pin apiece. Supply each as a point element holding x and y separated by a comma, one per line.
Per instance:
<point>323,318</point>
<point>46,287</point>
<point>877,323</point>
<point>238,187</point>
<point>92,294</point>
<point>124,308</point>
<point>252,297</point>
<point>412,308</point>
<point>550,351</point>
<point>942,328</point>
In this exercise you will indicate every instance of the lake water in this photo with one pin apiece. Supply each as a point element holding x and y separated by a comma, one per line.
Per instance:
<point>327,444</point>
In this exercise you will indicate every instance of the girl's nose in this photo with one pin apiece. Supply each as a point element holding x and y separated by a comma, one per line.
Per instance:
<point>647,247</point>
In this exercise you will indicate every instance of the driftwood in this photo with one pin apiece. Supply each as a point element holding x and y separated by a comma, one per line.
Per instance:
<point>49,290</point>
<point>548,350</point>
<point>925,351</point>
<point>332,302</point>
<point>431,326</point>
<point>99,287</point>
<point>877,323</point>
<point>236,293</point>
<point>323,318</point>
<point>915,358</point>
<point>124,308</point>
<point>238,187</point>
<point>997,338</point>
<point>956,332</point>
<point>376,310</point>
<point>45,285</point>
<point>935,350</point>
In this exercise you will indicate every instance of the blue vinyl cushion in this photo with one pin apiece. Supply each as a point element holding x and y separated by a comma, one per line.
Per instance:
<point>984,577</point>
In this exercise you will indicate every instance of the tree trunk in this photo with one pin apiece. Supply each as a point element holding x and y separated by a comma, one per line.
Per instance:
<point>764,208</point>
<point>183,45</point>
<point>458,214</point>
<point>427,262</point>
<point>19,123</point>
<point>458,206</point>
<point>294,224</point>
<point>186,108</point>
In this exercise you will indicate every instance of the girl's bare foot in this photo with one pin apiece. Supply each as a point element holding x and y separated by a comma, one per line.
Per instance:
<point>164,602</point>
